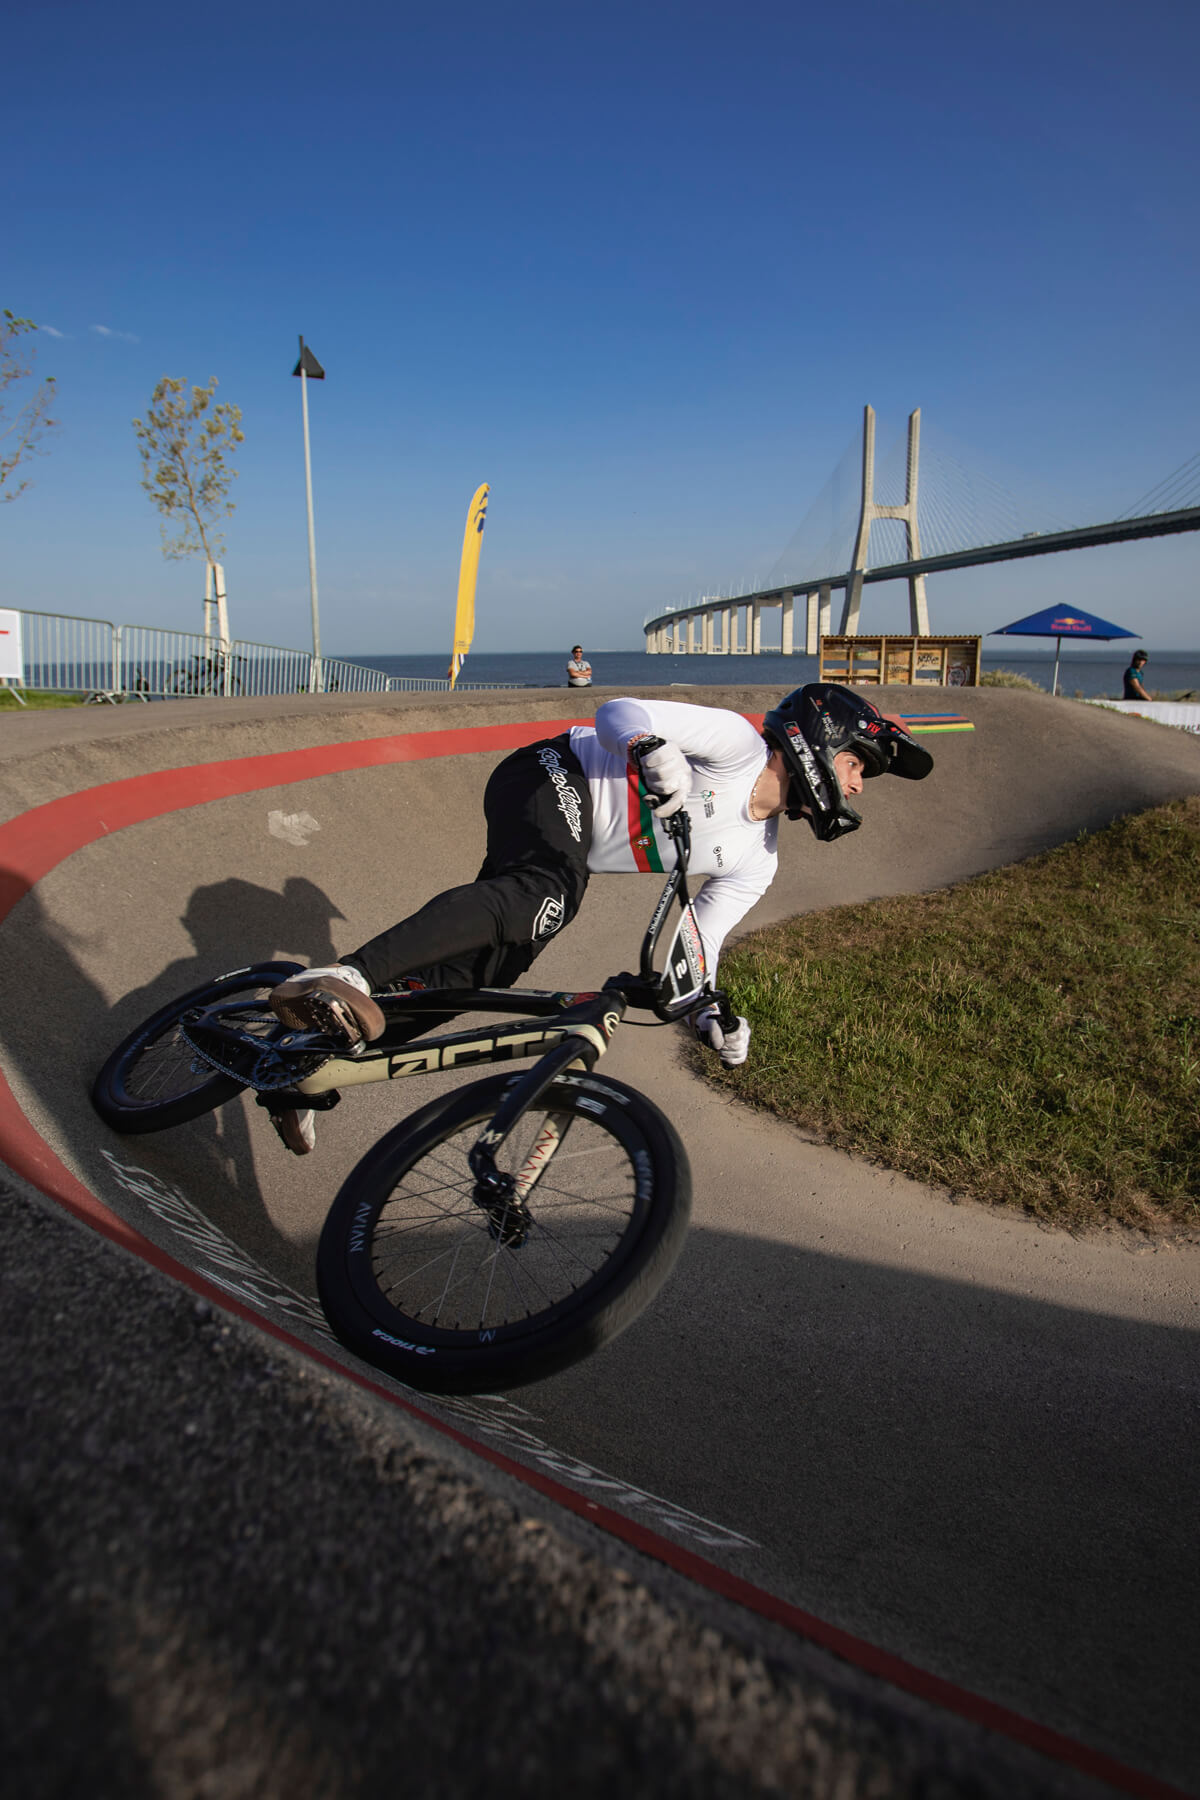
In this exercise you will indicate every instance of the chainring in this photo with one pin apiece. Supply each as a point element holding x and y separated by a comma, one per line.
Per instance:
<point>253,1060</point>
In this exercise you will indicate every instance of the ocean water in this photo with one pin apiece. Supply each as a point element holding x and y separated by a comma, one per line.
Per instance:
<point>1088,673</point>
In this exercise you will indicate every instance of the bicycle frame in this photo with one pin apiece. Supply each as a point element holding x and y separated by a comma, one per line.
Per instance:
<point>577,1030</point>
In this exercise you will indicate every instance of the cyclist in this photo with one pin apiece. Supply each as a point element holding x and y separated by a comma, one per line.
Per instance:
<point>593,800</point>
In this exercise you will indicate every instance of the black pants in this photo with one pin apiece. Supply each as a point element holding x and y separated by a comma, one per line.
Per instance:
<point>539,825</point>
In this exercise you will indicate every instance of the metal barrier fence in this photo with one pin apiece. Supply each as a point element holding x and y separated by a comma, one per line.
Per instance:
<point>64,654</point>
<point>156,664</point>
<point>69,655</point>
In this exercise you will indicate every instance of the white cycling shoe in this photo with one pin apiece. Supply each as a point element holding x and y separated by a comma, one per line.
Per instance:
<point>298,1130</point>
<point>336,1001</point>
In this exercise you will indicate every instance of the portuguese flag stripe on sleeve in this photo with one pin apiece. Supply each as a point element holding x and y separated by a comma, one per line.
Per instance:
<point>641,826</point>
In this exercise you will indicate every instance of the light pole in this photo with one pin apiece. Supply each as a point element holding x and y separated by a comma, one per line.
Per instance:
<point>308,365</point>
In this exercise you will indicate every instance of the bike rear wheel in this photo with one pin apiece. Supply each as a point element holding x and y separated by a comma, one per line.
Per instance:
<point>418,1279</point>
<point>154,1079</point>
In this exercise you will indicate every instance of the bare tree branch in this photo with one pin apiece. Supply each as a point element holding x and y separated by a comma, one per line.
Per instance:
<point>22,433</point>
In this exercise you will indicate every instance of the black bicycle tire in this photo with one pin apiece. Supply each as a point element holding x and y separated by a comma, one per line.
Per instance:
<point>132,1117</point>
<point>358,1313</point>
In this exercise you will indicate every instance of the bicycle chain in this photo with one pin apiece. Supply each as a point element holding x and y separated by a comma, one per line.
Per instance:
<point>259,1066</point>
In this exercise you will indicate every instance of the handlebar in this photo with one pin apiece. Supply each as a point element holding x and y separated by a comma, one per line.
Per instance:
<point>682,986</point>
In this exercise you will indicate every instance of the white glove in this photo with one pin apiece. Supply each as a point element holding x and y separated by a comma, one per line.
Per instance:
<point>667,773</point>
<point>732,1045</point>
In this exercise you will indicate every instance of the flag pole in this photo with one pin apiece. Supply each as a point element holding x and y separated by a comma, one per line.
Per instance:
<point>308,365</point>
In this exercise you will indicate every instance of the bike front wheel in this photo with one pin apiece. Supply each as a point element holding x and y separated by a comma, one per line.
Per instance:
<point>154,1079</point>
<point>421,1280</point>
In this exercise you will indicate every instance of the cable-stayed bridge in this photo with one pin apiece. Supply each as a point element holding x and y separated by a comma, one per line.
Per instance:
<point>908,519</point>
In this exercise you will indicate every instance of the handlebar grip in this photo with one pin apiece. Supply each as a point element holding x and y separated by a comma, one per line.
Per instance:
<point>642,747</point>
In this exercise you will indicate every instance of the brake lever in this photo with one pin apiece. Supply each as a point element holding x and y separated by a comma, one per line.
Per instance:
<point>726,1017</point>
<point>678,826</point>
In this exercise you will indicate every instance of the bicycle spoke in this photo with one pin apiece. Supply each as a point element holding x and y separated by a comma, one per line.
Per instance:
<point>162,1067</point>
<point>443,1258</point>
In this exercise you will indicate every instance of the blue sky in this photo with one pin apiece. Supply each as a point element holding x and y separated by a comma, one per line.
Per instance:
<point>637,266</point>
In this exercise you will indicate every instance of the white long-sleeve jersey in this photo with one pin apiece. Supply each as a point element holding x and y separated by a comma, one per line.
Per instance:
<point>736,853</point>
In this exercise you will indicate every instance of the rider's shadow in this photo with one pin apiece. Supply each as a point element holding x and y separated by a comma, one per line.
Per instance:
<point>214,1159</point>
<point>232,923</point>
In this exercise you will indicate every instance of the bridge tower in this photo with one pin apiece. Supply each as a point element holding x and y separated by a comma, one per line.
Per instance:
<point>918,605</point>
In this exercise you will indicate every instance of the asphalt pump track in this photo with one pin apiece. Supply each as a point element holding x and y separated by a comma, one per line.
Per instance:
<point>950,1448</point>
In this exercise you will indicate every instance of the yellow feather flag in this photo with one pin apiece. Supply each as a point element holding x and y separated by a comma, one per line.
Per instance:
<point>468,572</point>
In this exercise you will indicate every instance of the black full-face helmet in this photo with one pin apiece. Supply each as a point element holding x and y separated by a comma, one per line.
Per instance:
<point>811,725</point>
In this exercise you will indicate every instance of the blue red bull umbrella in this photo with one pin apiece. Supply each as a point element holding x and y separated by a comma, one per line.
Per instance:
<point>1061,622</point>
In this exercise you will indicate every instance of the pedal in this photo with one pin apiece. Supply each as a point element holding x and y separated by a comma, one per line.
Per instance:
<point>281,1100</point>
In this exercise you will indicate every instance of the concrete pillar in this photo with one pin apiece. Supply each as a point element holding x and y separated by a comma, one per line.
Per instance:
<point>811,627</point>
<point>755,628</point>
<point>823,610</point>
<point>706,633</point>
<point>852,605</point>
<point>787,625</point>
<point>918,606</point>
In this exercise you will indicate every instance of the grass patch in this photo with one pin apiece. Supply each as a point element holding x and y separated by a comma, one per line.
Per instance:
<point>1030,1038</point>
<point>1008,678</point>
<point>35,698</point>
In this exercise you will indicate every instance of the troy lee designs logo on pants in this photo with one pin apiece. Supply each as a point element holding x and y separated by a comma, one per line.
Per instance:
<point>550,916</point>
<point>568,799</point>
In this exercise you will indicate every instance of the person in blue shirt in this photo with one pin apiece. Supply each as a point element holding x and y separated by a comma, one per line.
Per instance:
<point>1134,689</point>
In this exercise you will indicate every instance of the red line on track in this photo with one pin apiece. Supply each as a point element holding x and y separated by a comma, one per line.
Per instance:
<point>37,841</point>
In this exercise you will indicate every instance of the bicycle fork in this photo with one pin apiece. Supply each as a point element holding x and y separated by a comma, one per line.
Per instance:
<point>504,1196</point>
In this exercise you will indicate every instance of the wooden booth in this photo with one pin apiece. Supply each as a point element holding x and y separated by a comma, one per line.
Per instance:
<point>913,661</point>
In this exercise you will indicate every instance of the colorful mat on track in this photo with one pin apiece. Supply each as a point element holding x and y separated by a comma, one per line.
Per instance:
<point>937,722</point>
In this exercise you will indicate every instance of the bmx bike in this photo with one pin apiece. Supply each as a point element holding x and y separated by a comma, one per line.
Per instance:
<point>510,1227</point>
<point>214,673</point>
